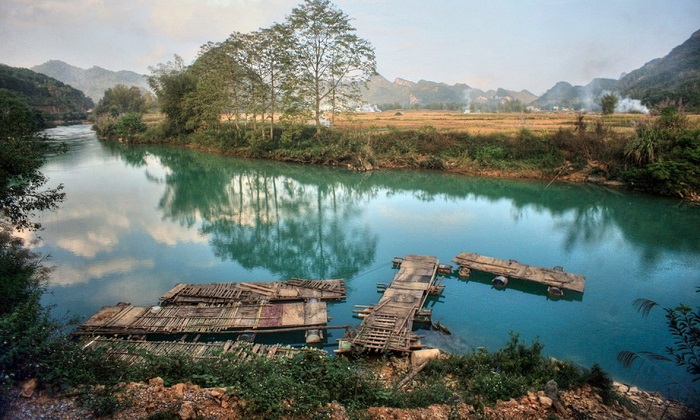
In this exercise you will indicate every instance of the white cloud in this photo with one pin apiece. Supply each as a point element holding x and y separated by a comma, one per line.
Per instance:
<point>67,275</point>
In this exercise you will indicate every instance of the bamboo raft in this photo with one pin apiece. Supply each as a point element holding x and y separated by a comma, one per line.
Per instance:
<point>513,269</point>
<point>230,293</point>
<point>388,326</point>
<point>134,351</point>
<point>138,320</point>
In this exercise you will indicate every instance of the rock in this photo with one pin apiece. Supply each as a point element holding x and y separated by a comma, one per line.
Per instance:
<point>28,388</point>
<point>187,410</point>
<point>218,393</point>
<point>156,382</point>
<point>178,390</point>
<point>546,401</point>
<point>421,356</point>
<point>551,389</point>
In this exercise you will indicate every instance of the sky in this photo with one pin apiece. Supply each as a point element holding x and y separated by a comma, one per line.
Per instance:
<point>486,44</point>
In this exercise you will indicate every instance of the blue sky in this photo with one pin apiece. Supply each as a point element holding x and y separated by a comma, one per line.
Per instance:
<point>514,44</point>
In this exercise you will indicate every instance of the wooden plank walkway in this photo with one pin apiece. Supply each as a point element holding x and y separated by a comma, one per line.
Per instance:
<point>139,320</point>
<point>516,270</point>
<point>230,293</point>
<point>388,326</point>
<point>132,351</point>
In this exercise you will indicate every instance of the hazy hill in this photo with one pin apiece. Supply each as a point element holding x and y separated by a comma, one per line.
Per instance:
<point>585,98</point>
<point>677,75</point>
<point>93,81</point>
<point>405,94</point>
<point>55,100</point>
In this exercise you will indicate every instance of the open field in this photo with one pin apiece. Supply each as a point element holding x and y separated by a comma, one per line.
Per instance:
<point>476,123</point>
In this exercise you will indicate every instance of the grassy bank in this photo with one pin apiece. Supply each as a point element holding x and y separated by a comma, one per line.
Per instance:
<point>657,154</point>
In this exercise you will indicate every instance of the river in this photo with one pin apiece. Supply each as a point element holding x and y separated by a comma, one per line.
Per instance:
<point>138,220</point>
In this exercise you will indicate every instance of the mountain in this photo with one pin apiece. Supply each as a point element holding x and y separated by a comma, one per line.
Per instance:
<point>55,100</point>
<point>565,96</point>
<point>675,76</point>
<point>93,81</point>
<point>403,93</point>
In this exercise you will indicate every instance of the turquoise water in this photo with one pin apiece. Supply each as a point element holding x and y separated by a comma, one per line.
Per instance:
<point>138,220</point>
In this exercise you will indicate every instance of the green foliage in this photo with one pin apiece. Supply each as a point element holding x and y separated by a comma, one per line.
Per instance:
<point>483,377</point>
<point>249,77</point>
<point>603,383</point>
<point>22,152</point>
<point>42,93</point>
<point>666,155</point>
<point>121,100</point>
<point>130,124</point>
<point>173,84</point>
<point>684,325</point>
<point>100,401</point>
<point>608,103</point>
<point>332,63</point>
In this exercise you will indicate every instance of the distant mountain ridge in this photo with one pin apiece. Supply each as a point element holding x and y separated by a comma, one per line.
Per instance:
<point>675,76</point>
<point>405,94</point>
<point>54,100</point>
<point>93,81</point>
<point>565,96</point>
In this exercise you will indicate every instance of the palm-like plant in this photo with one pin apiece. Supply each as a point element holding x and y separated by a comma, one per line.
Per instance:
<point>684,325</point>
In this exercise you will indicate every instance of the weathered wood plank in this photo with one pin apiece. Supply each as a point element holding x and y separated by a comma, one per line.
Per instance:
<point>514,269</point>
<point>204,319</point>
<point>228,293</point>
<point>388,325</point>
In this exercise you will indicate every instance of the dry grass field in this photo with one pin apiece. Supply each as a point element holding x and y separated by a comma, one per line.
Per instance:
<point>476,123</point>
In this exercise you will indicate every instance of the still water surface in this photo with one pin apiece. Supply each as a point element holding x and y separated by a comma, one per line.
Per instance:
<point>138,220</point>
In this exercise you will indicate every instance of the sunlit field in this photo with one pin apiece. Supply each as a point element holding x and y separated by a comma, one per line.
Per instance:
<point>476,123</point>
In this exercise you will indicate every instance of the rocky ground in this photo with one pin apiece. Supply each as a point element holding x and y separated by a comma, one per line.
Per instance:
<point>185,401</point>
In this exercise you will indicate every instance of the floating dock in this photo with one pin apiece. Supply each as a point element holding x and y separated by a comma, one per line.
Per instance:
<point>134,351</point>
<point>513,269</point>
<point>239,317</point>
<point>388,326</point>
<point>230,293</point>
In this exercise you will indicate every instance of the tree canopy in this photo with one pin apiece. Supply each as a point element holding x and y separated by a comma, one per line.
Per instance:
<point>120,99</point>
<point>22,152</point>
<point>310,64</point>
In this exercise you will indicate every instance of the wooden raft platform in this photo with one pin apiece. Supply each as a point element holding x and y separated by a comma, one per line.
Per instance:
<point>132,351</point>
<point>388,326</point>
<point>516,270</point>
<point>139,320</point>
<point>230,293</point>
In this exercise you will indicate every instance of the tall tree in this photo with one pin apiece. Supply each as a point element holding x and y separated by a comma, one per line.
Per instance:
<point>331,61</point>
<point>172,83</point>
<point>275,62</point>
<point>120,100</point>
<point>608,103</point>
<point>22,152</point>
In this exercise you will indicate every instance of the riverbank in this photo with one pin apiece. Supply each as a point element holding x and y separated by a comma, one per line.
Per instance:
<point>154,400</point>
<point>655,155</point>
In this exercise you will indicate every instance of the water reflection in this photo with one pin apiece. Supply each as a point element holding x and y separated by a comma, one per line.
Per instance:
<point>140,219</point>
<point>275,217</point>
<point>295,221</point>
